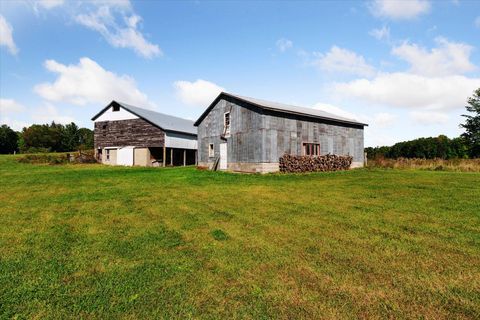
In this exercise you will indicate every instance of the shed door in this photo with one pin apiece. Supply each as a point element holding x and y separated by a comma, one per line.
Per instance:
<point>223,156</point>
<point>125,156</point>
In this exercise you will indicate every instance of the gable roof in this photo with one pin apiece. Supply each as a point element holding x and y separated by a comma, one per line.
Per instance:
<point>163,121</point>
<point>283,108</point>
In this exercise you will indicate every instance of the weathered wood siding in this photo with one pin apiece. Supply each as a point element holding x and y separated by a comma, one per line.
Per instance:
<point>245,141</point>
<point>286,134</point>
<point>259,136</point>
<point>134,132</point>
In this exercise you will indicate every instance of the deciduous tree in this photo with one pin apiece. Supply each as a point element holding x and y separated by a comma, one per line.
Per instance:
<point>8,140</point>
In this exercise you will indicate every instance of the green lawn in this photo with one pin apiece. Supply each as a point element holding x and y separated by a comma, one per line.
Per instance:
<point>91,241</point>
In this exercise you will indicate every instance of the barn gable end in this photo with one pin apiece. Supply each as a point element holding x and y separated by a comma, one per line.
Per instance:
<point>142,136</point>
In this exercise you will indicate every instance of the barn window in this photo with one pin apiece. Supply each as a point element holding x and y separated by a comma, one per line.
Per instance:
<point>116,108</point>
<point>311,149</point>
<point>108,154</point>
<point>226,123</point>
<point>104,127</point>
<point>211,151</point>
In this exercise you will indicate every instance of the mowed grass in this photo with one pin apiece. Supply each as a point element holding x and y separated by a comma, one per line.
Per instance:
<point>91,241</point>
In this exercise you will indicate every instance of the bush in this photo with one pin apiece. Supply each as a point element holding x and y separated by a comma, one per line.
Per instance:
<point>36,150</point>
<point>48,158</point>
<point>59,158</point>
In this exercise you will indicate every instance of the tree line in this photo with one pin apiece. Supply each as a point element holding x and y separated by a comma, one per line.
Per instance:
<point>60,138</point>
<point>426,148</point>
<point>52,137</point>
<point>465,146</point>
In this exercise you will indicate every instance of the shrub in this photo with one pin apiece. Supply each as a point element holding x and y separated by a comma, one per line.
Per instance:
<point>47,158</point>
<point>59,158</point>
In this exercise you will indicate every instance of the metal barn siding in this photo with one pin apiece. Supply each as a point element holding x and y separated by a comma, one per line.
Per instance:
<point>258,137</point>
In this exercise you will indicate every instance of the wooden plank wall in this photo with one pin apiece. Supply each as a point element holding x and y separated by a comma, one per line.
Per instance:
<point>134,132</point>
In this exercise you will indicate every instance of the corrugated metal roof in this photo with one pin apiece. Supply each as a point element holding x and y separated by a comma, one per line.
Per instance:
<point>164,121</point>
<point>281,107</point>
<point>293,109</point>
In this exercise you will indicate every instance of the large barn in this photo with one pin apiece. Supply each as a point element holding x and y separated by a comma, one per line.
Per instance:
<point>250,135</point>
<point>128,135</point>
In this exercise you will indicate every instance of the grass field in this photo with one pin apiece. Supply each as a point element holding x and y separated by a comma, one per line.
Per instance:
<point>90,241</point>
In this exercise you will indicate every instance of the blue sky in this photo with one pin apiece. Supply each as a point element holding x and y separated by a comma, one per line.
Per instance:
<point>404,67</point>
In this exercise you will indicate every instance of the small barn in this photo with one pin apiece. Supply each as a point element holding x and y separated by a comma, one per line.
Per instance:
<point>245,134</point>
<point>129,135</point>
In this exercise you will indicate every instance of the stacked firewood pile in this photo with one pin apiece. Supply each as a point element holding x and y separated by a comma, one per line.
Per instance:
<point>329,162</point>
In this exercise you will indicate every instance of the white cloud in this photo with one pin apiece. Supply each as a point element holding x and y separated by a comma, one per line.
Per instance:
<point>6,37</point>
<point>87,82</point>
<point>120,33</point>
<point>10,106</point>
<point>447,58</point>
<point>284,44</point>
<point>48,113</point>
<point>477,22</point>
<point>434,80</point>
<point>343,61</point>
<point>378,120</point>
<point>384,119</point>
<point>407,90</point>
<point>399,9</point>
<point>48,4</point>
<point>429,117</point>
<point>16,125</point>
<point>375,137</point>
<point>334,110</point>
<point>199,93</point>
<point>381,34</point>
<point>40,115</point>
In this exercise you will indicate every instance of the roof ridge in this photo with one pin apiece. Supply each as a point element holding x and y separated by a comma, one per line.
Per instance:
<point>150,110</point>
<point>163,121</point>
<point>333,115</point>
<point>284,108</point>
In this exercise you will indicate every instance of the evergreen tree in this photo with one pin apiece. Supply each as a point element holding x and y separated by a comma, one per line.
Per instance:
<point>472,125</point>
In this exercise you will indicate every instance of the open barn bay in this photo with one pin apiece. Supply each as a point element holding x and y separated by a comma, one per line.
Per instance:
<point>93,241</point>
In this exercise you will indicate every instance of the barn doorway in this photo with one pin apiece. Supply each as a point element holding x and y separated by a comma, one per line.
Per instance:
<point>223,157</point>
<point>125,156</point>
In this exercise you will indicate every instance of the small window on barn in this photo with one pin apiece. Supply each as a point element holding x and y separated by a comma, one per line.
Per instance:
<point>116,108</point>
<point>107,154</point>
<point>226,123</point>
<point>104,127</point>
<point>211,151</point>
<point>311,149</point>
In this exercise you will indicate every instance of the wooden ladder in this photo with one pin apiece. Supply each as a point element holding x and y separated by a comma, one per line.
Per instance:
<point>215,163</point>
